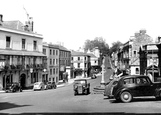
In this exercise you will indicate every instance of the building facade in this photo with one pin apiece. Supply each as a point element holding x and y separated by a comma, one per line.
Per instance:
<point>21,57</point>
<point>64,63</point>
<point>149,61</point>
<point>52,53</point>
<point>81,63</point>
<point>128,54</point>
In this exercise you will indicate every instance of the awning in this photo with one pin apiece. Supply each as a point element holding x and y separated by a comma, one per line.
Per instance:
<point>21,53</point>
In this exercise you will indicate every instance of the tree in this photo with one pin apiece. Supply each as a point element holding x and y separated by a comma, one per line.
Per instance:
<point>97,42</point>
<point>115,46</point>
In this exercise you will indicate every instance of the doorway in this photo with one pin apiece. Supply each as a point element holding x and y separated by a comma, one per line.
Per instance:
<point>23,81</point>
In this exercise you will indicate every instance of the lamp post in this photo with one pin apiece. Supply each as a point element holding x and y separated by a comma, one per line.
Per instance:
<point>103,71</point>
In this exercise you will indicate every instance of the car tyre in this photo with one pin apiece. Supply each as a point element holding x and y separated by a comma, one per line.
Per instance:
<point>86,92</point>
<point>75,93</point>
<point>126,97</point>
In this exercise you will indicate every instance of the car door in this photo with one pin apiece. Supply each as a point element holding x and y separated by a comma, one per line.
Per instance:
<point>143,87</point>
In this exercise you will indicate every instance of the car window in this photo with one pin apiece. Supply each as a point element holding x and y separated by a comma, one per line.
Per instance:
<point>129,81</point>
<point>81,82</point>
<point>141,80</point>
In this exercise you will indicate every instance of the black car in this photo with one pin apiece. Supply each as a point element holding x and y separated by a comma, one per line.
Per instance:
<point>51,85</point>
<point>81,86</point>
<point>13,87</point>
<point>131,86</point>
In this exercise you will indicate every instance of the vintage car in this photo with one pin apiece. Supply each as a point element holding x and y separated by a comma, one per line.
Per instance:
<point>39,86</point>
<point>13,87</point>
<point>131,86</point>
<point>81,86</point>
<point>51,85</point>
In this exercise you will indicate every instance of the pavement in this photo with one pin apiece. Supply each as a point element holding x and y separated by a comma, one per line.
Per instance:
<point>60,84</point>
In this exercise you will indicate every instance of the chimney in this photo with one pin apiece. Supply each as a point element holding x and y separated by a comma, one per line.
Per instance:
<point>1,19</point>
<point>31,24</point>
<point>159,39</point>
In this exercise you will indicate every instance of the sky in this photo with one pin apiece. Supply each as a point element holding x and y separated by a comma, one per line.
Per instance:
<point>72,22</point>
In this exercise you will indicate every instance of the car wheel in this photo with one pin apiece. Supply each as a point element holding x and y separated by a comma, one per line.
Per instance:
<point>126,97</point>
<point>86,91</point>
<point>158,98</point>
<point>75,93</point>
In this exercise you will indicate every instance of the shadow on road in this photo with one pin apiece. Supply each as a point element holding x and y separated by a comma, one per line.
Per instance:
<point>6,105</point>
<point>108,113</point>
<point>134,100</point>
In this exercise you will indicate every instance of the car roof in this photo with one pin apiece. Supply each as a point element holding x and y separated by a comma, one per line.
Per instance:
<point>133,76</point>
<point>80,80</point>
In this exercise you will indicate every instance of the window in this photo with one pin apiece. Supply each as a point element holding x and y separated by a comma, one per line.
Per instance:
<point>54,71</point>
<point>85,65</point>
<point>44,51</point>
<point>23,43</point>
<point>85,58</point>
<point>35,45</point>
<point>129,81</point>
<point>56,52</point>
<point>135,53</point>
<point>53,79</point>
<point>95,61</point>
<point>78,65</point>
<point>50,72</point>
<point>50,61</point>
<point>56,61</point>
<point>72,58</point>
<point>49,79</point>
<point>50,52</point>
<point>141,80</point>
<point>137,70</point>
<point>78,58</point>
<point>53,52</point>
<point>53,61</point>
<point>8,41</point>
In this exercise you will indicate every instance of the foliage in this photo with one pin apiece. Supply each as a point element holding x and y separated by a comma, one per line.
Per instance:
<point>97,42</point>
<point>115,46</point>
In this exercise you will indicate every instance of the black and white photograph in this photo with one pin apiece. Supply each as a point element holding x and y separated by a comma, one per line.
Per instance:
<point>80,57</point>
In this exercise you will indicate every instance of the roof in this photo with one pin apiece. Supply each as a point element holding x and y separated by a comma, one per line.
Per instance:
<point>92,55</point>
<point>63,48</point>
<point>20,52</point>
<point>80,80</point>
<point>74,53</point>
<point>17,25</point>
<point>132,76</point>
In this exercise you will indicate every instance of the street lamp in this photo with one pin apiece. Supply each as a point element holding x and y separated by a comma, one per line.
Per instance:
<point>103,71</point>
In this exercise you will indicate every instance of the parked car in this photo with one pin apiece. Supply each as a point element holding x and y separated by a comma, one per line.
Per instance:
<point>81,86</point>
<point>131,86</point>
<point>51,85</point>
<point>13,87</point>
<point>39,86</point>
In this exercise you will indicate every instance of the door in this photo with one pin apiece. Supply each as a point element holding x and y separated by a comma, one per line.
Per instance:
<point>23,81</point>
